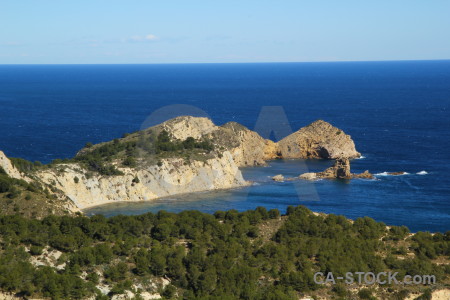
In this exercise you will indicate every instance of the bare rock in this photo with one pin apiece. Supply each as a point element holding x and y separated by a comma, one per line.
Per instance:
<point>188,126</point>
<point>364,175</point>
<point>8,167</point>
<point>318,140</point>
<point>247,147</point>
<point>308,176</point>
<point>396,173</point>
<point>278,177</point>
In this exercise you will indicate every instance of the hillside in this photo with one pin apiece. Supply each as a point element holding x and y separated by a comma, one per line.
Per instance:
<point>20,194</point>
<point>256,254</point>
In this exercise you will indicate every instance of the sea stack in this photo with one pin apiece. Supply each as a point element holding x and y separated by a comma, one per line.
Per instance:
<point>339,170</point>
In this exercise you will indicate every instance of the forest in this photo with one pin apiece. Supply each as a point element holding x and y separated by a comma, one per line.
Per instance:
<point>257,254</point>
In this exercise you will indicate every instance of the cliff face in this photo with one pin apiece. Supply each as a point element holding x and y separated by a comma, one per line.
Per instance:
<point>171,178</point>
<point>247,147</point>
<point>7,166</point>
<point>318,140</point>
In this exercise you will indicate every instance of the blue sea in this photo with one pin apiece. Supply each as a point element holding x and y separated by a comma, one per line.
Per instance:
<point>396,112</point>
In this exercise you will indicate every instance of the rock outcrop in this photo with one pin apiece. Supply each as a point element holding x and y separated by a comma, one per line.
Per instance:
<point>364,175</point>
<point>318,140</point>
<point>339,170</point>
<point>188,126</point>
<point>247,147</point>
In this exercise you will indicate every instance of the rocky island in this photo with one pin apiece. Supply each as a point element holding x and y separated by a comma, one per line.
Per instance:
<point>182,155</point>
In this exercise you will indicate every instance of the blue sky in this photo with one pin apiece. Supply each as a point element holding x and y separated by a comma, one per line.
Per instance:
<point>137,31</point>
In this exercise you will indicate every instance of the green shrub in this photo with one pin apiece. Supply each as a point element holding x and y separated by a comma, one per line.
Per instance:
<point>13,192</point>
<point>427,295</point>
<point>366,294</point>
<point>129,162</point>
<point>22,165</point>
<point>274,213</point>
<point>36,250</point>
<point>5,184</point>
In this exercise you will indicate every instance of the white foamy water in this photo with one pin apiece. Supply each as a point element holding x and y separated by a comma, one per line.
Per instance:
<point>422,173</point>
<point>387,174</point>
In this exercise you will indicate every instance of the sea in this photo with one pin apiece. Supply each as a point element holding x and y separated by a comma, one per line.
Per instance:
<point>398,114</point>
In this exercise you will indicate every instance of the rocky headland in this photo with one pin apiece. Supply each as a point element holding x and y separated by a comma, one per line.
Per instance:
<point>182,155</point>
<point>318,140</point>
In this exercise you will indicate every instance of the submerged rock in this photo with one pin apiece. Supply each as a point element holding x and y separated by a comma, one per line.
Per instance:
<point>396,173</point>
<point>365,175</point>
<point>278,177</point>
<point>339,170</point>
<point>308,176</point>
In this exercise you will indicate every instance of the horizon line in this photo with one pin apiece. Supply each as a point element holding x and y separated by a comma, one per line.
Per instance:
<point>223,63</point>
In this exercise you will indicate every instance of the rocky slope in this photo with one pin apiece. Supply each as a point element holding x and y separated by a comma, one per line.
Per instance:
<point>247,147</point>
<point>7,166</point>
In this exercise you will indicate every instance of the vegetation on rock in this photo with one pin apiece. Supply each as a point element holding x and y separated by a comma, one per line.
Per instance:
<point>29,199</point>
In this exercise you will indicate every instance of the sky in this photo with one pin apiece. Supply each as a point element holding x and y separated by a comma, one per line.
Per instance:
<point>138,31</point>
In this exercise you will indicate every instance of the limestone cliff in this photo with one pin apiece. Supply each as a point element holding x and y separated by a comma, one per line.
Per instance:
<point>172,177</point>
<point>318,140</point>
<point>7,166</point>
<point>247,147</point>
